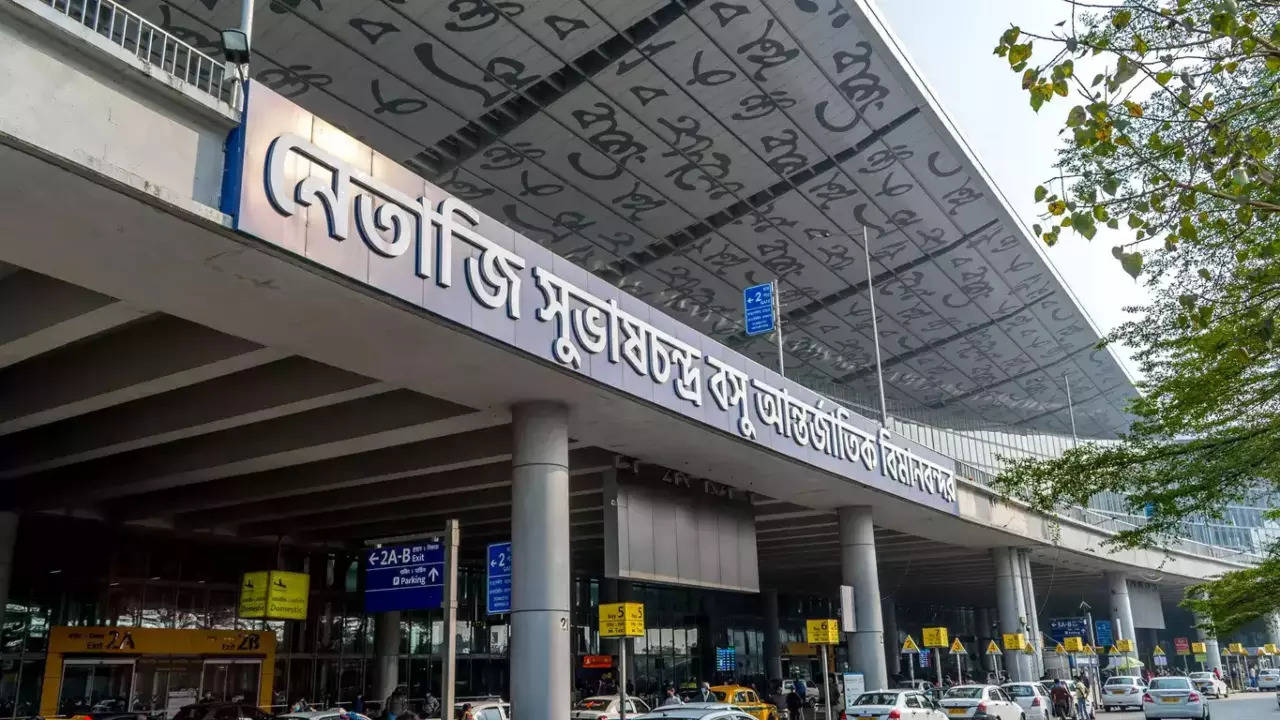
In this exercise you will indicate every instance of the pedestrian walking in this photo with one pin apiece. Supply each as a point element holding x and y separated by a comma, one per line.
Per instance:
<point>795,701</point>
<point>1083,708</point>
<point>672,698</point>
<point>704,693</point>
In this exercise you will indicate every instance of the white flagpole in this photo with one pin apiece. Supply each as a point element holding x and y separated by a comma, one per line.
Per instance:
<point>875,327</point>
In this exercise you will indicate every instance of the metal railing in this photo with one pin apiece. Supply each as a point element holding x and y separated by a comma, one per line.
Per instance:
<point>1111,523</point>
<point>152,44</point>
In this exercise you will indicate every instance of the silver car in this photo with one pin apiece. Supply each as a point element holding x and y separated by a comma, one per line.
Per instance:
<point>697,711</point>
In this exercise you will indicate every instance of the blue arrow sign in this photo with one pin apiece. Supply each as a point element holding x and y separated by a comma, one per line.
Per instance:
<point>404,577</point>
<point>757,309</point>
<point>1105,639</point>
<point>1061,628</point>
<point>499,594</point>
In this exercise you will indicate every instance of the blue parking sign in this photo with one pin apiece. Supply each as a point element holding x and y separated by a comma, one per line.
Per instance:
<point>498,596</point>
<point>404,577</point>
<point>757,309</point>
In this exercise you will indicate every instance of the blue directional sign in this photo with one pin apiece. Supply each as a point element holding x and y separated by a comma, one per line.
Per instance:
<point>404,577</point>
<point>499,594</point>
<point>1105,638</point>
<point>1060,628</point>
<point>757,309</point>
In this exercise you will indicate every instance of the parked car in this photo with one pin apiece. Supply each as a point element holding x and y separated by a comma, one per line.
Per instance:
<point>746,699</point>
<point>605,707</point>
<point>331,714</point>
<point>1209,684</point>
<point>221,711</point>
<point>1122,691</point>
<point>1032,697</point>
<point>1269,679</point>
<point>893,705</point>
<point>486,709</point>
<point>1173,697</point>
<point>980,701</point>
<point>695,711</point>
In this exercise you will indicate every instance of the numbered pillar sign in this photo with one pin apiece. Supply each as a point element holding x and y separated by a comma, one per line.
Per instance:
<point>936,637</point>
<point>622,620</point>
<point>825,631</point>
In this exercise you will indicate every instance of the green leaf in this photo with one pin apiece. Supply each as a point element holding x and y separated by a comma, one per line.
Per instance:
<point>1019,53</point>
<point>1076,117</point>
<point>1164,76</point>
<point>1273,63</point>
<point>1010,36</point>
<point>1132,263</point>
<point>1120,19</point>
<point>1041,193</point>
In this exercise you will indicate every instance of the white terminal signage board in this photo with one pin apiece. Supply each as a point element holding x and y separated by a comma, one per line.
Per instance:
<point>309,189</point>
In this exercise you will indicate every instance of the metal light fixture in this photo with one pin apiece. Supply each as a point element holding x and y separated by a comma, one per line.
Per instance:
<point>235,46</point>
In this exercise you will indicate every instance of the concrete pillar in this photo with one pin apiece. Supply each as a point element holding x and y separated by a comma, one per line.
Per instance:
<point>8,540</point>
<point>772,639</point>
<point>1120,608</point>
<point>1009,602</point>
<point>1033,613</point>
<point>858,569</point>
<point>1273,628</point>
<point>386,653</point>
<point>540,656</point>
<point>1213,654</point>
<point>892,658</point>
<point>983,632</point>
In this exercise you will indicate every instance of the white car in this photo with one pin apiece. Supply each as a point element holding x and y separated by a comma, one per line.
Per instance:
<point>1032,697</point>
<point>605,707</point>
<point>484,709</point>
<point>893,705</point>
<point>1173,697</point>
<point>1210,684</point>
<point>982,702</point>
<point>331,714</point>
<point>1122,691</point>
<point>696,711</point>
<point>1269,679</point>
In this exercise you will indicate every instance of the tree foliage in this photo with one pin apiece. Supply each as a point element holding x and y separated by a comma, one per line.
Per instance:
<point>1173,140</point>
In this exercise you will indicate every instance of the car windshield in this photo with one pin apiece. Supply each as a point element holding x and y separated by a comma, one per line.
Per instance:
<point>1201,675</point>
<point>593,704</point>
<point>877,699</point>
<point>1121,681</point>
<point>720,695</point>
<point>1170,684</point>
<point>1019,690</point>
<point>964,692</point>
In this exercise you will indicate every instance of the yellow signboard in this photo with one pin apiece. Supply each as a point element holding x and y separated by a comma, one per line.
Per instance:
<point>274,595</point>
<point>1270,649</point>
<point>825,631</point>
<point>1199,657</point>
<point>1030,648</point>
<point>1236,648</point>
<point>936,637</point>
<point>1198,648</point>
<point>622,620</point>
<point>1014,641</point>
<point>1158,651</point>
<point>1124,645</point>
<point>957,647</point>
<point>909,645</point>
<point>1073,644</point>
<point>993,648</point>
<point>1113,650</point>
<point>253,594</point>
<point>799,648</point>
<point>1060,649</point>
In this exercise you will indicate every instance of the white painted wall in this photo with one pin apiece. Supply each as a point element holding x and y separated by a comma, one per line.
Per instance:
<point>70,93</point>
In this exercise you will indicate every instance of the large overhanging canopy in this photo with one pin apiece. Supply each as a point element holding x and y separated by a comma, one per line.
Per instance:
<point>686,149</point>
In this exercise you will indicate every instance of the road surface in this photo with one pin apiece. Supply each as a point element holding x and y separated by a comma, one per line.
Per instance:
<point>1240,706</point>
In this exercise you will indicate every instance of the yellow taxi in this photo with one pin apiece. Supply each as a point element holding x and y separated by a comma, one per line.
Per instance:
<point>746,698</point>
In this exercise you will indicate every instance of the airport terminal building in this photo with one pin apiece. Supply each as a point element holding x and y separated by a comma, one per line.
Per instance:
<point>420,336</point>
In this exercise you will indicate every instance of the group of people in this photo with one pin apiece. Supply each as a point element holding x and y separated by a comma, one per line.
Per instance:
<point>1062,694</point>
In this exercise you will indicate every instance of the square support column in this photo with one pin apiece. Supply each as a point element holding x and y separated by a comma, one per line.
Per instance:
<point>859,570</point>
<point>539,657</point>
<point>1012,612</point>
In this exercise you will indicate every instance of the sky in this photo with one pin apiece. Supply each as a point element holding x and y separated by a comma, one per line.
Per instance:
<point>950,43</point>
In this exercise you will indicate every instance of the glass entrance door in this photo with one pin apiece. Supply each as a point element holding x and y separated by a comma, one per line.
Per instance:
<point>231,680</point>
<point>95,685</point>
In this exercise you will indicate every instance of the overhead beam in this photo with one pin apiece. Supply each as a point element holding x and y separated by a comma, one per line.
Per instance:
<point>150,356</point>
<point>51,313</point>
<point>285,387</point>
<point>392,418</point>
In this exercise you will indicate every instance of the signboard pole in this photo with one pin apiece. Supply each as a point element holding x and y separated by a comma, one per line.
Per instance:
<point>911,670</point>
<point>938,664</point>
<point>1095,683</point>
<point>959,670</point>
<point>448,670</point>
<point>622,677</point>
<point>826,684</point>
<point>996,660</point>
<point>777,320</point>
<point>875,330</point>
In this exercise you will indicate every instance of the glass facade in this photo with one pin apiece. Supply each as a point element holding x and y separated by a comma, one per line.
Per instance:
<point>131,580</point>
